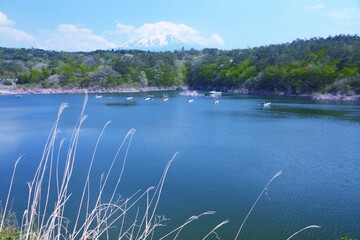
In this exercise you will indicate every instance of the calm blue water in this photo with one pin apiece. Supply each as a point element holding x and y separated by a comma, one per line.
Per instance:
<point>228,152</point>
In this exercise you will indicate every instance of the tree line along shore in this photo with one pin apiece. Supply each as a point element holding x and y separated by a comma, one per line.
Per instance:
<point>325,68</point>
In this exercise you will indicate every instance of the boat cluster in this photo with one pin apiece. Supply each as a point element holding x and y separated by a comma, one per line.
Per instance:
<point>191,94</point>
<point>212,94</point>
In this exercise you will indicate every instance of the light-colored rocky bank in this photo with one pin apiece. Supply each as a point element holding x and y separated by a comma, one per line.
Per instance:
<point>315,96</point>
<point>36,90</point>
<point>336,97</point>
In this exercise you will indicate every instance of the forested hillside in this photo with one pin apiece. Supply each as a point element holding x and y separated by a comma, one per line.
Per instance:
<point>303,66</point>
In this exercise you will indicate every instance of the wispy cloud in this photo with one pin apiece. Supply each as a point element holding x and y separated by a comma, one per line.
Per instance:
<point>161,31</point>
<point>10,36</point>
<point>69,37</point>
<point>317,7</point>
<point>124,29</point>
<point>344,14</point>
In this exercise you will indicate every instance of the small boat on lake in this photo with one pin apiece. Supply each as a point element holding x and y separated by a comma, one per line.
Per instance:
<point>265,104</point>
<point>147,98</point>
<point>98,96</point>
<point>215,102</point>
<point>165,98</point>
<point>190,100</point>
<point>129,98</point>
<point>215,94</point>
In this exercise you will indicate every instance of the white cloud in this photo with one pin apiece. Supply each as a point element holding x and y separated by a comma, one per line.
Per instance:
<point>216,39</point>
<point>68,37</point>
<point>13,34</point>
<point>317,7</point>
<point>4,21</point>
<point>12,37</point>
<point>124,29</point>
<point>161,31</point>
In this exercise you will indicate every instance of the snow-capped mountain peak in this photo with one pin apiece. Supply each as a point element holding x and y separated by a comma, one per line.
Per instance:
<point>162,35</point>
<point>158,41</point>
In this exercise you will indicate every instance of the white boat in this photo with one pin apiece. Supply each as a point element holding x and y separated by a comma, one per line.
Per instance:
<point>265,104</point>
<point>190,100</point>
<point>129,98</point>
<point>215,94</point>
<point>98,96</point>
<point>146,98</point>
<point>215,102</point>
<point>18,96</point>
<point>165,98</point>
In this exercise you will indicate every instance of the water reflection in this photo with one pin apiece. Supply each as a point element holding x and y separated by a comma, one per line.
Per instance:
<point>310,111</point>
<point>121,104</point>
<point>228,152</point>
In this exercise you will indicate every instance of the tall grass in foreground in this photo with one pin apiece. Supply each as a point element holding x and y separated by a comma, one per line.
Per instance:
<point>45,219</point>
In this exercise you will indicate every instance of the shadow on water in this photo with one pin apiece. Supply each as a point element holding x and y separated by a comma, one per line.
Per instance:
<point>121,104</point>
<point>311,111</point>
<point>298,107</point>
<point>281,110</point>
<point>342,114</point>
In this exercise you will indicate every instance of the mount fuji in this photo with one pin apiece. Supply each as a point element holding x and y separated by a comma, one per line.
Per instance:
<point>164,36</point>
<point>161,41</point>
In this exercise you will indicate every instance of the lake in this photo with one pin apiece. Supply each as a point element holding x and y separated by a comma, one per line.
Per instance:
<point>228,153</point>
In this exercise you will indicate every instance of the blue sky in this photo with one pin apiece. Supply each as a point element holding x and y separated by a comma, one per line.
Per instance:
<point>79,25</point>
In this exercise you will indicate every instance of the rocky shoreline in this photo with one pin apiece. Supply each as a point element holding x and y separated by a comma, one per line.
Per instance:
<point>336,97</point>
<point>38,90</point>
